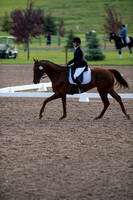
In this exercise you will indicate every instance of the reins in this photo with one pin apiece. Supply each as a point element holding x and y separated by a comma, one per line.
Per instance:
<point>45,76</point>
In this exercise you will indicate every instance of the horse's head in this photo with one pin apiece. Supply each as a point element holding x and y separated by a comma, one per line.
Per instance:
<point>111,36</point>
<point>38,71</point>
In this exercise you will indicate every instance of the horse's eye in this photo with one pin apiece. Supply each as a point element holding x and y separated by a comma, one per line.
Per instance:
<point>36,71</point>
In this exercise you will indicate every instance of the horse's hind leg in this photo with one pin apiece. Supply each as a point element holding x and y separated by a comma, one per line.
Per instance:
<point>118,99</point>
<point>105,102</point>
<point>130,52</point>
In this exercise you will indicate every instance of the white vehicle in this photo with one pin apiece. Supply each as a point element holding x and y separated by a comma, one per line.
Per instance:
<point>7,48</point>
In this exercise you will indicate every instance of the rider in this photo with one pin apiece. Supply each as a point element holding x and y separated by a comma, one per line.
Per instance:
<point>123,34</point>
<point>79,63</point>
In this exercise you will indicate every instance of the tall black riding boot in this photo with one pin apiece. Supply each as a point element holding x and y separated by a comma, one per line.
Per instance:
<point>125,43</point>
<point>79,85</point>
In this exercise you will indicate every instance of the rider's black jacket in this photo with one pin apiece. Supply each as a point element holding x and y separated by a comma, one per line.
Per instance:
<point>78,59</point>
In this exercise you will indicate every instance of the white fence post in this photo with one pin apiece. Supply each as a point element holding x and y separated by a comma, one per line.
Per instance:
<point>43,88</point>
<point>11,90</point>
<point>84,98</point>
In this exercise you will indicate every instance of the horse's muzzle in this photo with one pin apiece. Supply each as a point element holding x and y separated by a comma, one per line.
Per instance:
<point>36,81</point>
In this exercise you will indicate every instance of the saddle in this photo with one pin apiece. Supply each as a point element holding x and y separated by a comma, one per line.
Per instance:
<point>85,76</point>
<point>127,40</point>
<point>80,76</point>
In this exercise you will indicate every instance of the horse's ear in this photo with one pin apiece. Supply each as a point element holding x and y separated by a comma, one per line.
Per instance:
<point>34,59</point>
<point>37,61</point>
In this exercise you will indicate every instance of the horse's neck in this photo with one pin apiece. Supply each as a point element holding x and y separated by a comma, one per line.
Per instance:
<point>51,69</point>
<point>116,38</point>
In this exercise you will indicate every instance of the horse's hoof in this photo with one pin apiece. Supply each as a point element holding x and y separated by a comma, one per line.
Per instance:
<point>96,118</point>
<point>40,116</point>
<point>62,117</point>
<point>128,117</point>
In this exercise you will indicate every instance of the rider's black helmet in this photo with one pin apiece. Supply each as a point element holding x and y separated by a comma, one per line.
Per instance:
<point>123,25</point>
<point>77,40</point>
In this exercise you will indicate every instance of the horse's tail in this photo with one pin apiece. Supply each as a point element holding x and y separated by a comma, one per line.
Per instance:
<point>119,78</point>
<point>131,40</point>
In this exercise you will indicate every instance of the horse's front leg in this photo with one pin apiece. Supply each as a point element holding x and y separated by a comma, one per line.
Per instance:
<point>54,96</point>
<point>64,106</point>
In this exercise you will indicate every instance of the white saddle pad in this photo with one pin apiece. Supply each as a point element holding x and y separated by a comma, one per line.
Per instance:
<point>86,77</point>
<point>127,40</point>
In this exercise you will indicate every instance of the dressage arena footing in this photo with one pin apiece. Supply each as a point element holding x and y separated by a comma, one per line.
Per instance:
<point>42,88</point>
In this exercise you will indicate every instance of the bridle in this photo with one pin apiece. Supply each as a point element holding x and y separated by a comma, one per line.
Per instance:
<point>45,75</point>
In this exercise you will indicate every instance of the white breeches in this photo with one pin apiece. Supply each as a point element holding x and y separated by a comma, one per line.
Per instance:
<point>78,71</point>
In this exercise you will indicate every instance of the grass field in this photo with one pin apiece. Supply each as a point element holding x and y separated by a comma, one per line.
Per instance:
<point>86,14</point>
<point>57,53</point>
<point>59,57</point>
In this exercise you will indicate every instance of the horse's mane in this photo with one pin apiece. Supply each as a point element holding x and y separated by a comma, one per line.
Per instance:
<point>114,34</point>
<point>56,65</point>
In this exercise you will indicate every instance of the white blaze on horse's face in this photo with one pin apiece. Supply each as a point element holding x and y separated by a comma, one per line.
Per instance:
<point>40,67</point>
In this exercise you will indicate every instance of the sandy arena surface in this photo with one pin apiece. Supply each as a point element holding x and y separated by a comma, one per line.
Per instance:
<point>77,158</point>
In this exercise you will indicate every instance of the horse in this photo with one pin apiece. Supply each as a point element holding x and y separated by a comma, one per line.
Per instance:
<point>119,44</point>
<point>103,79</point>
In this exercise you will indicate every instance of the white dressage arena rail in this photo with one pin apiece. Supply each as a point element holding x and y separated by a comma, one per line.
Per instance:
<point>42,88</point>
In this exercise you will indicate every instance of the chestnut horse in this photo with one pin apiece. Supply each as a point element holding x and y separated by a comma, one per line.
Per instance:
<point>103,79</point>
<point>119,44</point>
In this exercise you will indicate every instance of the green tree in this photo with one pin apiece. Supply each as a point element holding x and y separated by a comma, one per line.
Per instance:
<point>94,52</point>
<point>60,31</point>
<point>70,37</point>
<point>61,28</point>
<point>49,26</point>
<point>6,22</point>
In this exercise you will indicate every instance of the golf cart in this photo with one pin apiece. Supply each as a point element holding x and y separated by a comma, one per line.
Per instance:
<point>7,48</point>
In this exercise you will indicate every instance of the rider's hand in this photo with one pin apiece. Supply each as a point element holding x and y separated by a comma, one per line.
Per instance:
<point>67,64</point>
